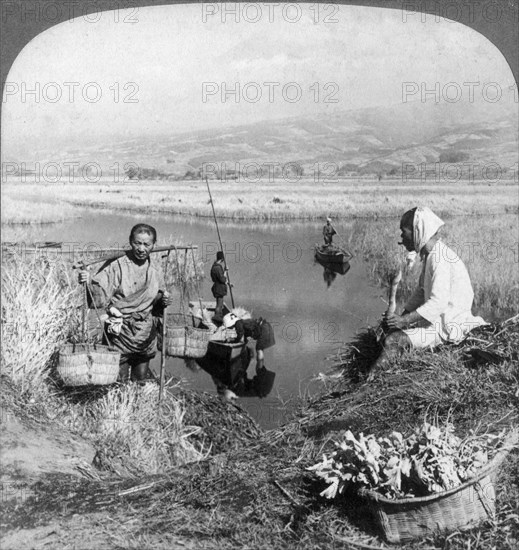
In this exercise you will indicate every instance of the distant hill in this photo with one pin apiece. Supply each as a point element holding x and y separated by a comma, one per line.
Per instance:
<point>365,141</point>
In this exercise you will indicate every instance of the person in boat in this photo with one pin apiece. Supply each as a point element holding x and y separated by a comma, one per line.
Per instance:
<point>328,232</point>
<point>219,288</point>
<point>259,330</point>
<point>131,291</point>
<point>440,308</point>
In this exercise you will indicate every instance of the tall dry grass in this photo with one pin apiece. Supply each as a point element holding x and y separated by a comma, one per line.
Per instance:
<point>25,212</point>
<point>38,309</point>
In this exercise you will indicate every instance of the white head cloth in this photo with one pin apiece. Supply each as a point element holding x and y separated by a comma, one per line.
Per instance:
<point>425,225</point>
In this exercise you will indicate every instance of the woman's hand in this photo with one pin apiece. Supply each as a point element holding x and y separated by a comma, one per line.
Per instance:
<point>394,322</point>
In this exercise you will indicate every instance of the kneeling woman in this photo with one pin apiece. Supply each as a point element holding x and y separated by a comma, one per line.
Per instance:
<point>131,291</point>
<point>258,329</point>
<point>440,309</point>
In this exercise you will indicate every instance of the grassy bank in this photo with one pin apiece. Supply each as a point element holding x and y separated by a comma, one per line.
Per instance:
<point>282,200</point>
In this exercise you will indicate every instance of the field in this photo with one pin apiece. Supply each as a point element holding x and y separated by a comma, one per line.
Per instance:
<point>280,200</point>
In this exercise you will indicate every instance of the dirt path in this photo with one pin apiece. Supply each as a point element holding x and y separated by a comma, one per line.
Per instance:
<point>30,452</point>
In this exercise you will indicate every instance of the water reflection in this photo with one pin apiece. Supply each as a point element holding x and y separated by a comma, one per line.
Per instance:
<point>331,271</point>
<point>231,375</point>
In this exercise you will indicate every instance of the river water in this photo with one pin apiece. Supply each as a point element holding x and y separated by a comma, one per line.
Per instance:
<point>274,275</point>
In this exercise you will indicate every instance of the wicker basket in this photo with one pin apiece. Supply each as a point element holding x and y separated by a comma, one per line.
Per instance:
<point>88,364</point>
<point>175,334</point>
<point>463,507</point>
<point>197,340</point>
<point>175,341</point>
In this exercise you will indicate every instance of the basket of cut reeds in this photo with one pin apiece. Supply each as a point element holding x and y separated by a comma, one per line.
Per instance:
<point>88,364</point>
<point>462,507</point>
<point>197,340</point>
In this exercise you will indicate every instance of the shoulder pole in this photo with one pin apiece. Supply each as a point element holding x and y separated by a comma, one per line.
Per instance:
<point>164,333</point>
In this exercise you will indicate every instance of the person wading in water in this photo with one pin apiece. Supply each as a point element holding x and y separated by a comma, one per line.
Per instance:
<point>132,292</point>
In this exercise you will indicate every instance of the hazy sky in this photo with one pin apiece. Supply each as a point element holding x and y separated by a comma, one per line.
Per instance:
<point>157,66</point>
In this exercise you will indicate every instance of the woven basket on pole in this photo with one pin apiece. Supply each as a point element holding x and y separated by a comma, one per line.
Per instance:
<point>176,327</point>
<point>88,364</point>
<point>197,340</point>
<point>462,507</point>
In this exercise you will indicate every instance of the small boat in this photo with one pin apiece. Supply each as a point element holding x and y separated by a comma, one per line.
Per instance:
<point>331,254</point>
<point>223,359</point>
<point>339,268</point>
<point>225,351</point>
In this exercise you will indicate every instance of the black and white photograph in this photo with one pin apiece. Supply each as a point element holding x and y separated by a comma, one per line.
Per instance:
<point>259,275</point>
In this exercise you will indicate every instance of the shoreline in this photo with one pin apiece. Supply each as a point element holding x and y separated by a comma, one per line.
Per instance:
<point>267,203</point>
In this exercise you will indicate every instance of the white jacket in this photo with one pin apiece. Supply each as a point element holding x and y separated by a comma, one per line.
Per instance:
<point>444,294</point>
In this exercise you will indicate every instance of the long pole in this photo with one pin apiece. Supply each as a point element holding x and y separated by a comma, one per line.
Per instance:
<point>220,240</point>
<point>163,351</point>
<point>122,252</point>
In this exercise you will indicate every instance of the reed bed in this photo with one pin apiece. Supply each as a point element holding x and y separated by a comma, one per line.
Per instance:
<point>283,200</point>
<point>24,212</point>
<point>37,311</point>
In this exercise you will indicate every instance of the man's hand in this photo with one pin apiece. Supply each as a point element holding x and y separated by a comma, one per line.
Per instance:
<point>83,276</point>
<point>166,299</point>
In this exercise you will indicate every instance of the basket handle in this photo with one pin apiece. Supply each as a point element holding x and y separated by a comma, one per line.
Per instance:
<point>105,336</point>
